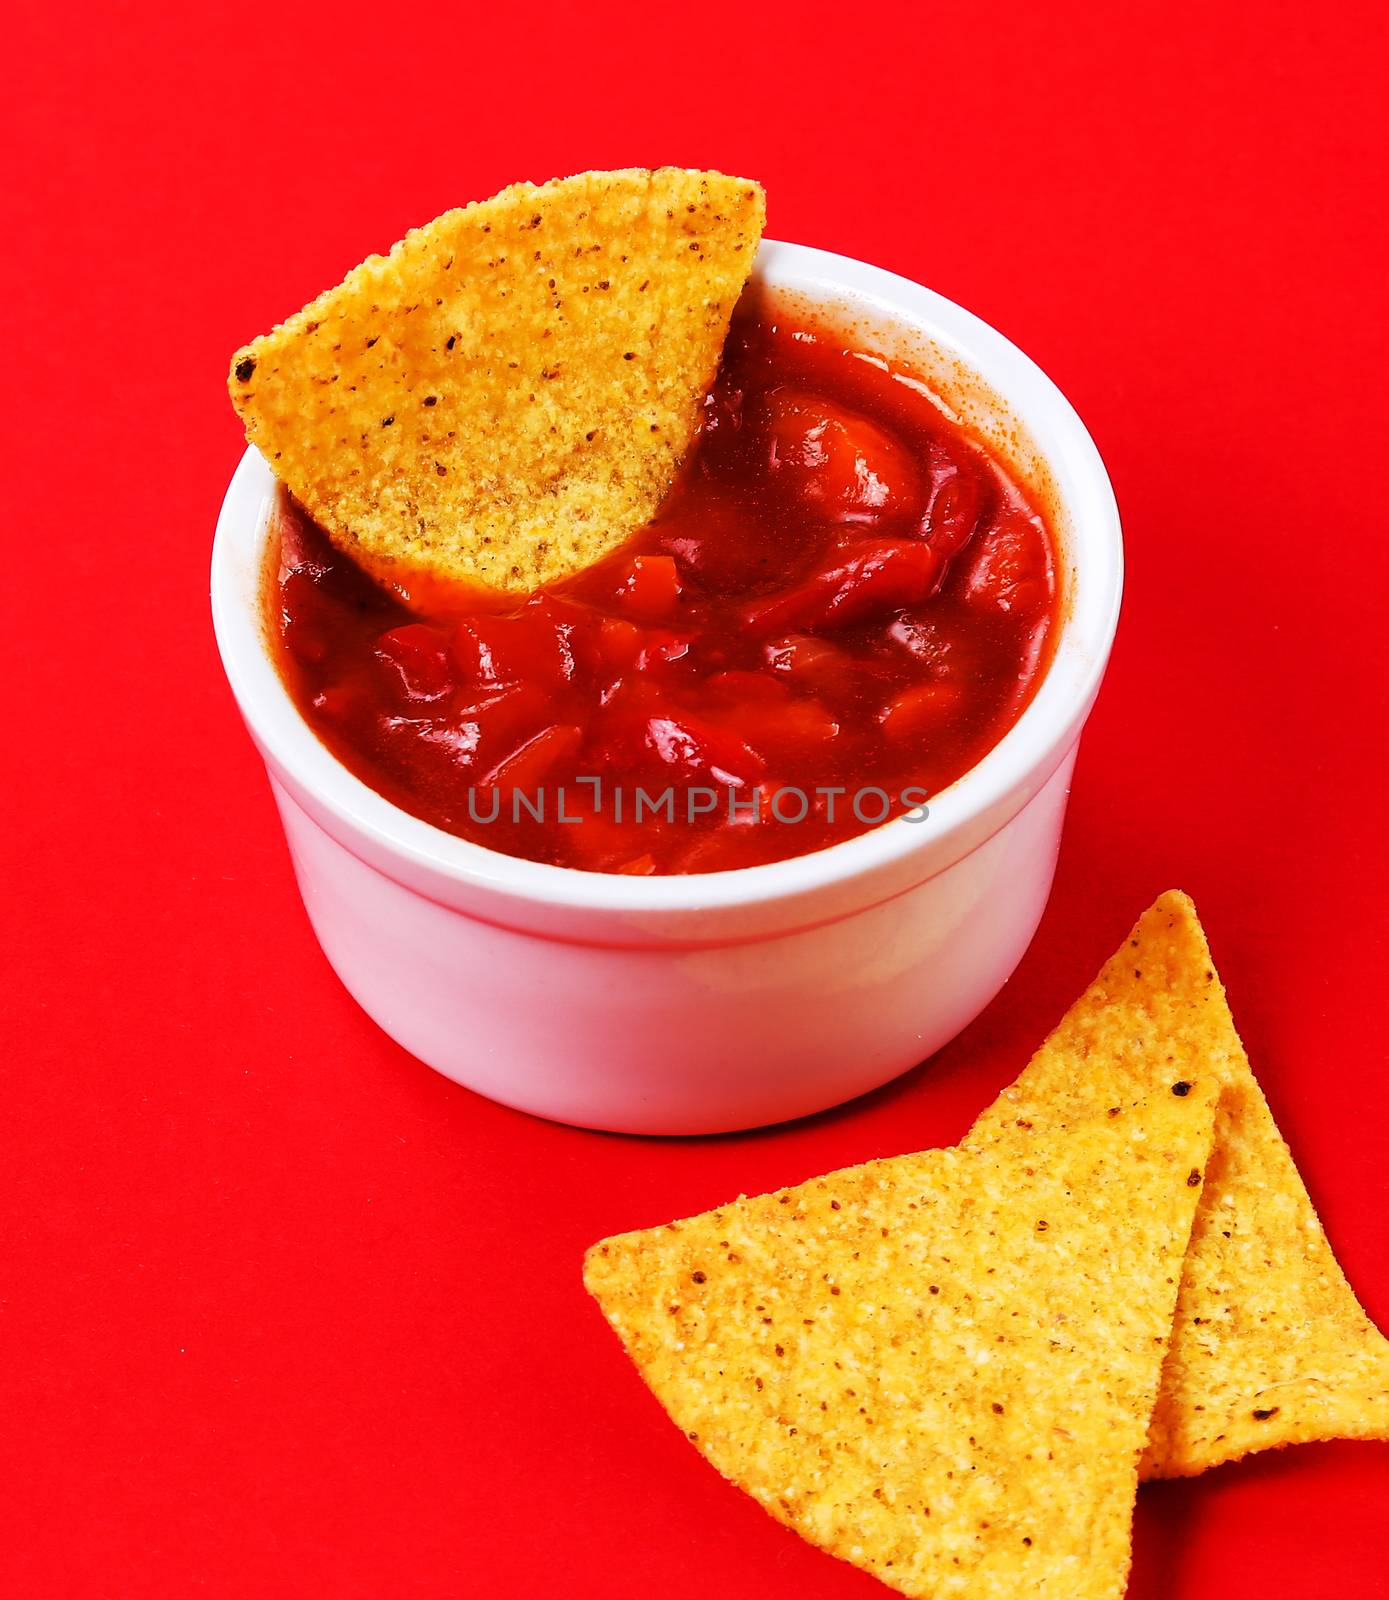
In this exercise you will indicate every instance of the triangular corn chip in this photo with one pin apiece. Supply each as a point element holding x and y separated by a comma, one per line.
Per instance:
<point>505,397</point>
<point>1270,1346</point>
<point>939,1367</point>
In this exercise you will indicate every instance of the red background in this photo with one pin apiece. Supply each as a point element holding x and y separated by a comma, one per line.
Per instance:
<point>281,1311</point>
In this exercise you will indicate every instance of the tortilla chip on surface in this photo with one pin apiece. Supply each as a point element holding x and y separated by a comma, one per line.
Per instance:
<point>938,1367</point>
<point>1270,1346</point>
<point>506,396</point>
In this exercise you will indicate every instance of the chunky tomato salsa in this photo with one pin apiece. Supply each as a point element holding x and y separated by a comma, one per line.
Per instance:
<point>843,603</point>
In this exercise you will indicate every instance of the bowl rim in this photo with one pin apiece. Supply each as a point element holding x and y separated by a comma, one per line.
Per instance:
<point>1010,771</point>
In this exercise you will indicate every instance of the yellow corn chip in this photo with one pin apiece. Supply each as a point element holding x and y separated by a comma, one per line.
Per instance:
<point>505,397</point>
<point>1270,1346</point>
<point>939,1367</point>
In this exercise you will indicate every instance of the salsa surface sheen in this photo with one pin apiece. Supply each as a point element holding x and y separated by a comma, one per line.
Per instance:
<point>843,604</point>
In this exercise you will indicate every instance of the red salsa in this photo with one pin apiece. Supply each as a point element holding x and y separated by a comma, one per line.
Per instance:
<point>843,603</point>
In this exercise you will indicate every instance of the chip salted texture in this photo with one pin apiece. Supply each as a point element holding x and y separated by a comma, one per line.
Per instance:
<point>1270,1346</point>
<point>939,1367</point>
<point>506,396</point>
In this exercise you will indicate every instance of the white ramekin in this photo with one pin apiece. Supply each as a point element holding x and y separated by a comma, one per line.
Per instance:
<point>727,1000</point>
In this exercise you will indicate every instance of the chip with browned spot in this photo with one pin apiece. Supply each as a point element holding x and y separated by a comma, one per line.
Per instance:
<point>507,395</point>
<point>1270,1346</point>
<point>939,1367</point>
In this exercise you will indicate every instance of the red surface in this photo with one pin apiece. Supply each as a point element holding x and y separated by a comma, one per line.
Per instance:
<point>281,1312</point>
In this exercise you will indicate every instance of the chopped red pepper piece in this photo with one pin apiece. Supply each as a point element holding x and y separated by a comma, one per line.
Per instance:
<point>534,645</point>
<point>954,514</point>
<point>1009,568</point>
<point>838,462</point>
<point>527,768</point>
<point>650,590</point>
<point>870,576</point>
<point>417,656</point>
<point>921,711</point>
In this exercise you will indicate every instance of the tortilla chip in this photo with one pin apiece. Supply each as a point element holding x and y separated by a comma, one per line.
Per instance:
<point>506,396</point>
<point>1270,1346</point>
<point>938,1367</point>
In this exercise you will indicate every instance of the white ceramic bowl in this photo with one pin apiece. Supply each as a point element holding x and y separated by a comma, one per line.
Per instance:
<point>726,1000</point>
